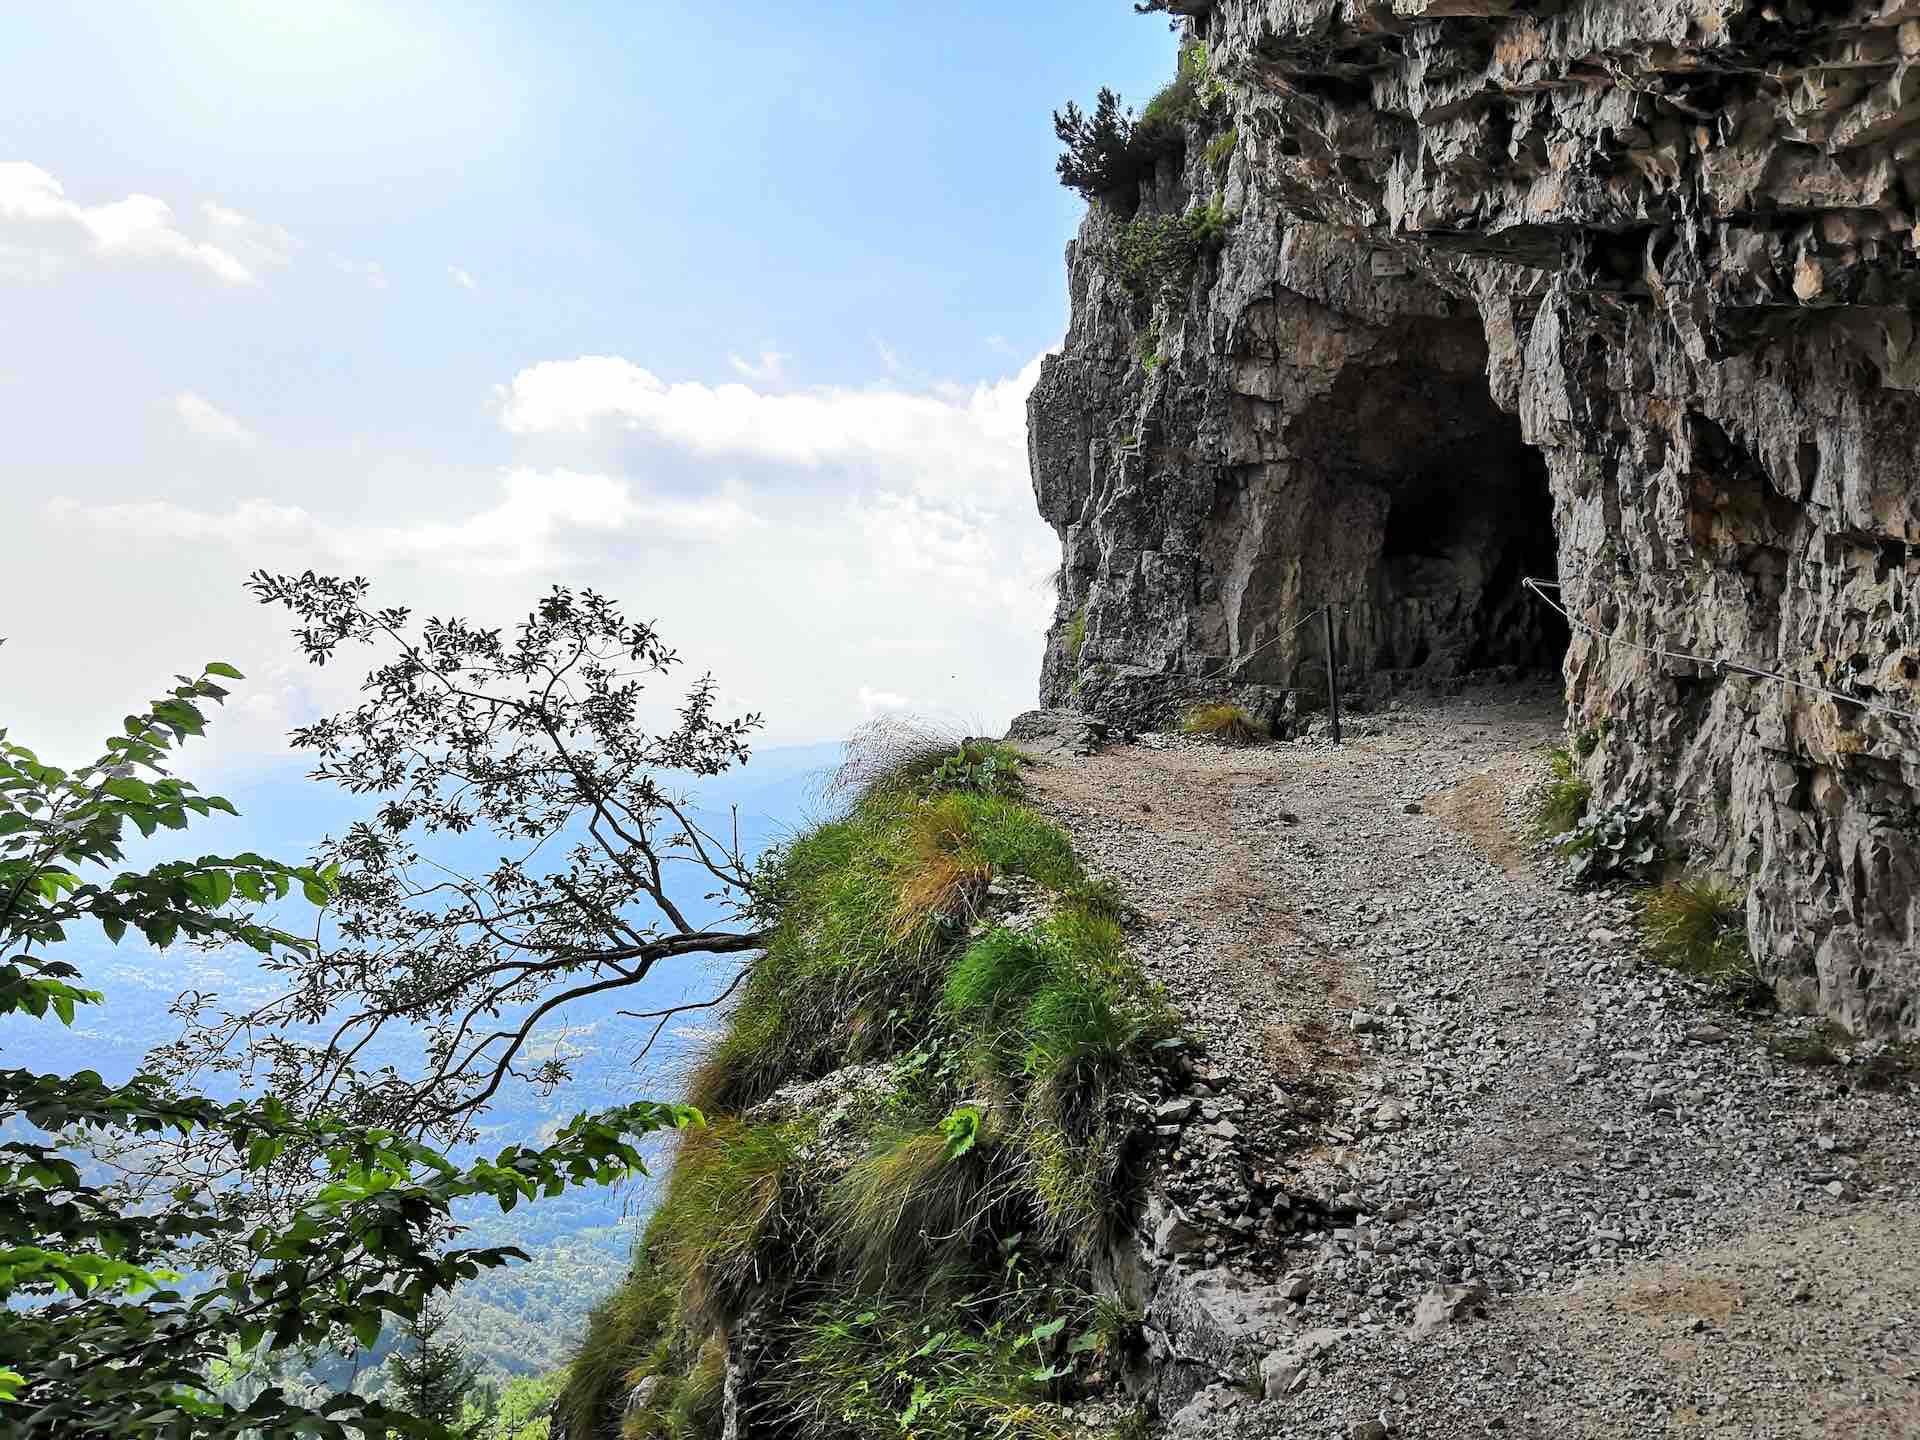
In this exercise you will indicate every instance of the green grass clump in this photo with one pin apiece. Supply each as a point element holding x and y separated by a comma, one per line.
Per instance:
<point>895,1245</point>
<point>1102,899</point>
<point>1009,838</point>
<point>1220,151</point>
<point>1699,928</point>
<point>1563,800</point>
<point>695,1414</point>
<point>900,756</point>
<point>622,1345</point>
<point>855,1368</point>
<point>997,975</point>
<point>1229,724</point>
<point>1091,936</point>
<point>1060,1024</point>
<point>915,1206</point>
<point>1076,636</point>
<point>868,907</point>
<point>857,942</point>
<point>728,1202</point>
<point>1694,925</point>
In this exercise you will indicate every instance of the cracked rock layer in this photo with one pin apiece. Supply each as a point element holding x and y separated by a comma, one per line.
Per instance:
<point>1613,293</point>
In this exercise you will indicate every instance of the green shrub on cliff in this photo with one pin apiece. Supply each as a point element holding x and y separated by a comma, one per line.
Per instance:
<point>997,1124</point>
<point>1153,255</point>
<point>1220,151</point>
<point>1109,152</point>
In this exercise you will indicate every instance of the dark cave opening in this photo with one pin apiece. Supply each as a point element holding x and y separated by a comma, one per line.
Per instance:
<point>1434,513</point>
<point>1461,536</point>
<point>1403,497</point>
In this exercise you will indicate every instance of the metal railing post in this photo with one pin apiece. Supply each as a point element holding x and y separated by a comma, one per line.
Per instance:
<point>1333,674</point>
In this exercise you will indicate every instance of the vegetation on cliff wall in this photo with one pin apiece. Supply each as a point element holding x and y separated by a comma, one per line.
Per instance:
<point>919,1128</point>
<point>1109,152</point>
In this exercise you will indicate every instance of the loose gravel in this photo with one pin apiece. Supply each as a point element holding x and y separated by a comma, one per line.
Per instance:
<point>1425,1062</point>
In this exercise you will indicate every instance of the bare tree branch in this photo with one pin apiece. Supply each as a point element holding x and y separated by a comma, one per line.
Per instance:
<point>539,740</point>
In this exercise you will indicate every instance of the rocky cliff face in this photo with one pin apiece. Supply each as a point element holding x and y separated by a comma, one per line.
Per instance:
<point>1618,293</point>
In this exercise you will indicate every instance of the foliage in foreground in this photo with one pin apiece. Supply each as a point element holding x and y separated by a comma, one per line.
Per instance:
<point>916,1241</point>
<point>1229,724</point>
<point>1619,842</point>
<point>531,740</point>
<point>98,1340</point>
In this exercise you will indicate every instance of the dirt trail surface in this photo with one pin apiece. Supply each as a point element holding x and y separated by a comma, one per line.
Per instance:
<point>1464,1160</point>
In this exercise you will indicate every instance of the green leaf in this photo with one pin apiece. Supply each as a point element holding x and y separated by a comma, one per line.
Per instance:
<point>224,670</point>
<point>1047,1329</point>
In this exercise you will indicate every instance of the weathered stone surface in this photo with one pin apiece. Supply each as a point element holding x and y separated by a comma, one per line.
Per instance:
<point>1204,1325</point>
<point>1058,732</point>
<point>1614,292</point>
<point>1282,1371</point>
<point>1201,1415</point>
<point>1440,1308</point>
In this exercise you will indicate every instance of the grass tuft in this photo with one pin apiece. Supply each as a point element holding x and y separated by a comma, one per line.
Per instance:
<point>1811,1049</point>
<point>1103,899</point>
<point>696,1411</point>
<point>1076,637</point>
<point>621,1346</point>
<point>1563,800</point>
<point>1694,925</point>
<point>1229,724</point>
<point>1699,928</point>
<point>915,1206</point>
<point>728,1203</point>
<point>853,1367</point>
<point>997,975</point>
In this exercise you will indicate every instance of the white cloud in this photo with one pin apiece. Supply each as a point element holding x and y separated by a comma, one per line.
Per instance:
<point>461,278</point>
<point>829,554</point>
<point>525,529</point>
<point>203,417</point>
<point>873,702</point>
<point>770,366</point>
<point>962,443</point>
<point>138,226</point>
<point>258,241</point>
<point>371,271</point>
<point>248,521</point>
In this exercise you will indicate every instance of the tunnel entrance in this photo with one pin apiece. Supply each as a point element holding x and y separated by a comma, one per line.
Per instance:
<point>1459,539</point>
<point>1422,513</point>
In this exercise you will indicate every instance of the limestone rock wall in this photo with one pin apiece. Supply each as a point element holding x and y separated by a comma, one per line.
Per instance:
<point>1618,292</point>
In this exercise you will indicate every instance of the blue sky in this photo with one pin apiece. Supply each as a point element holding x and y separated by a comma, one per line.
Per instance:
<point>727,309</point>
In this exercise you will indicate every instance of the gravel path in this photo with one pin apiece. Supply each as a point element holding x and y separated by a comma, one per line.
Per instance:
<point>1430,1070</point>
